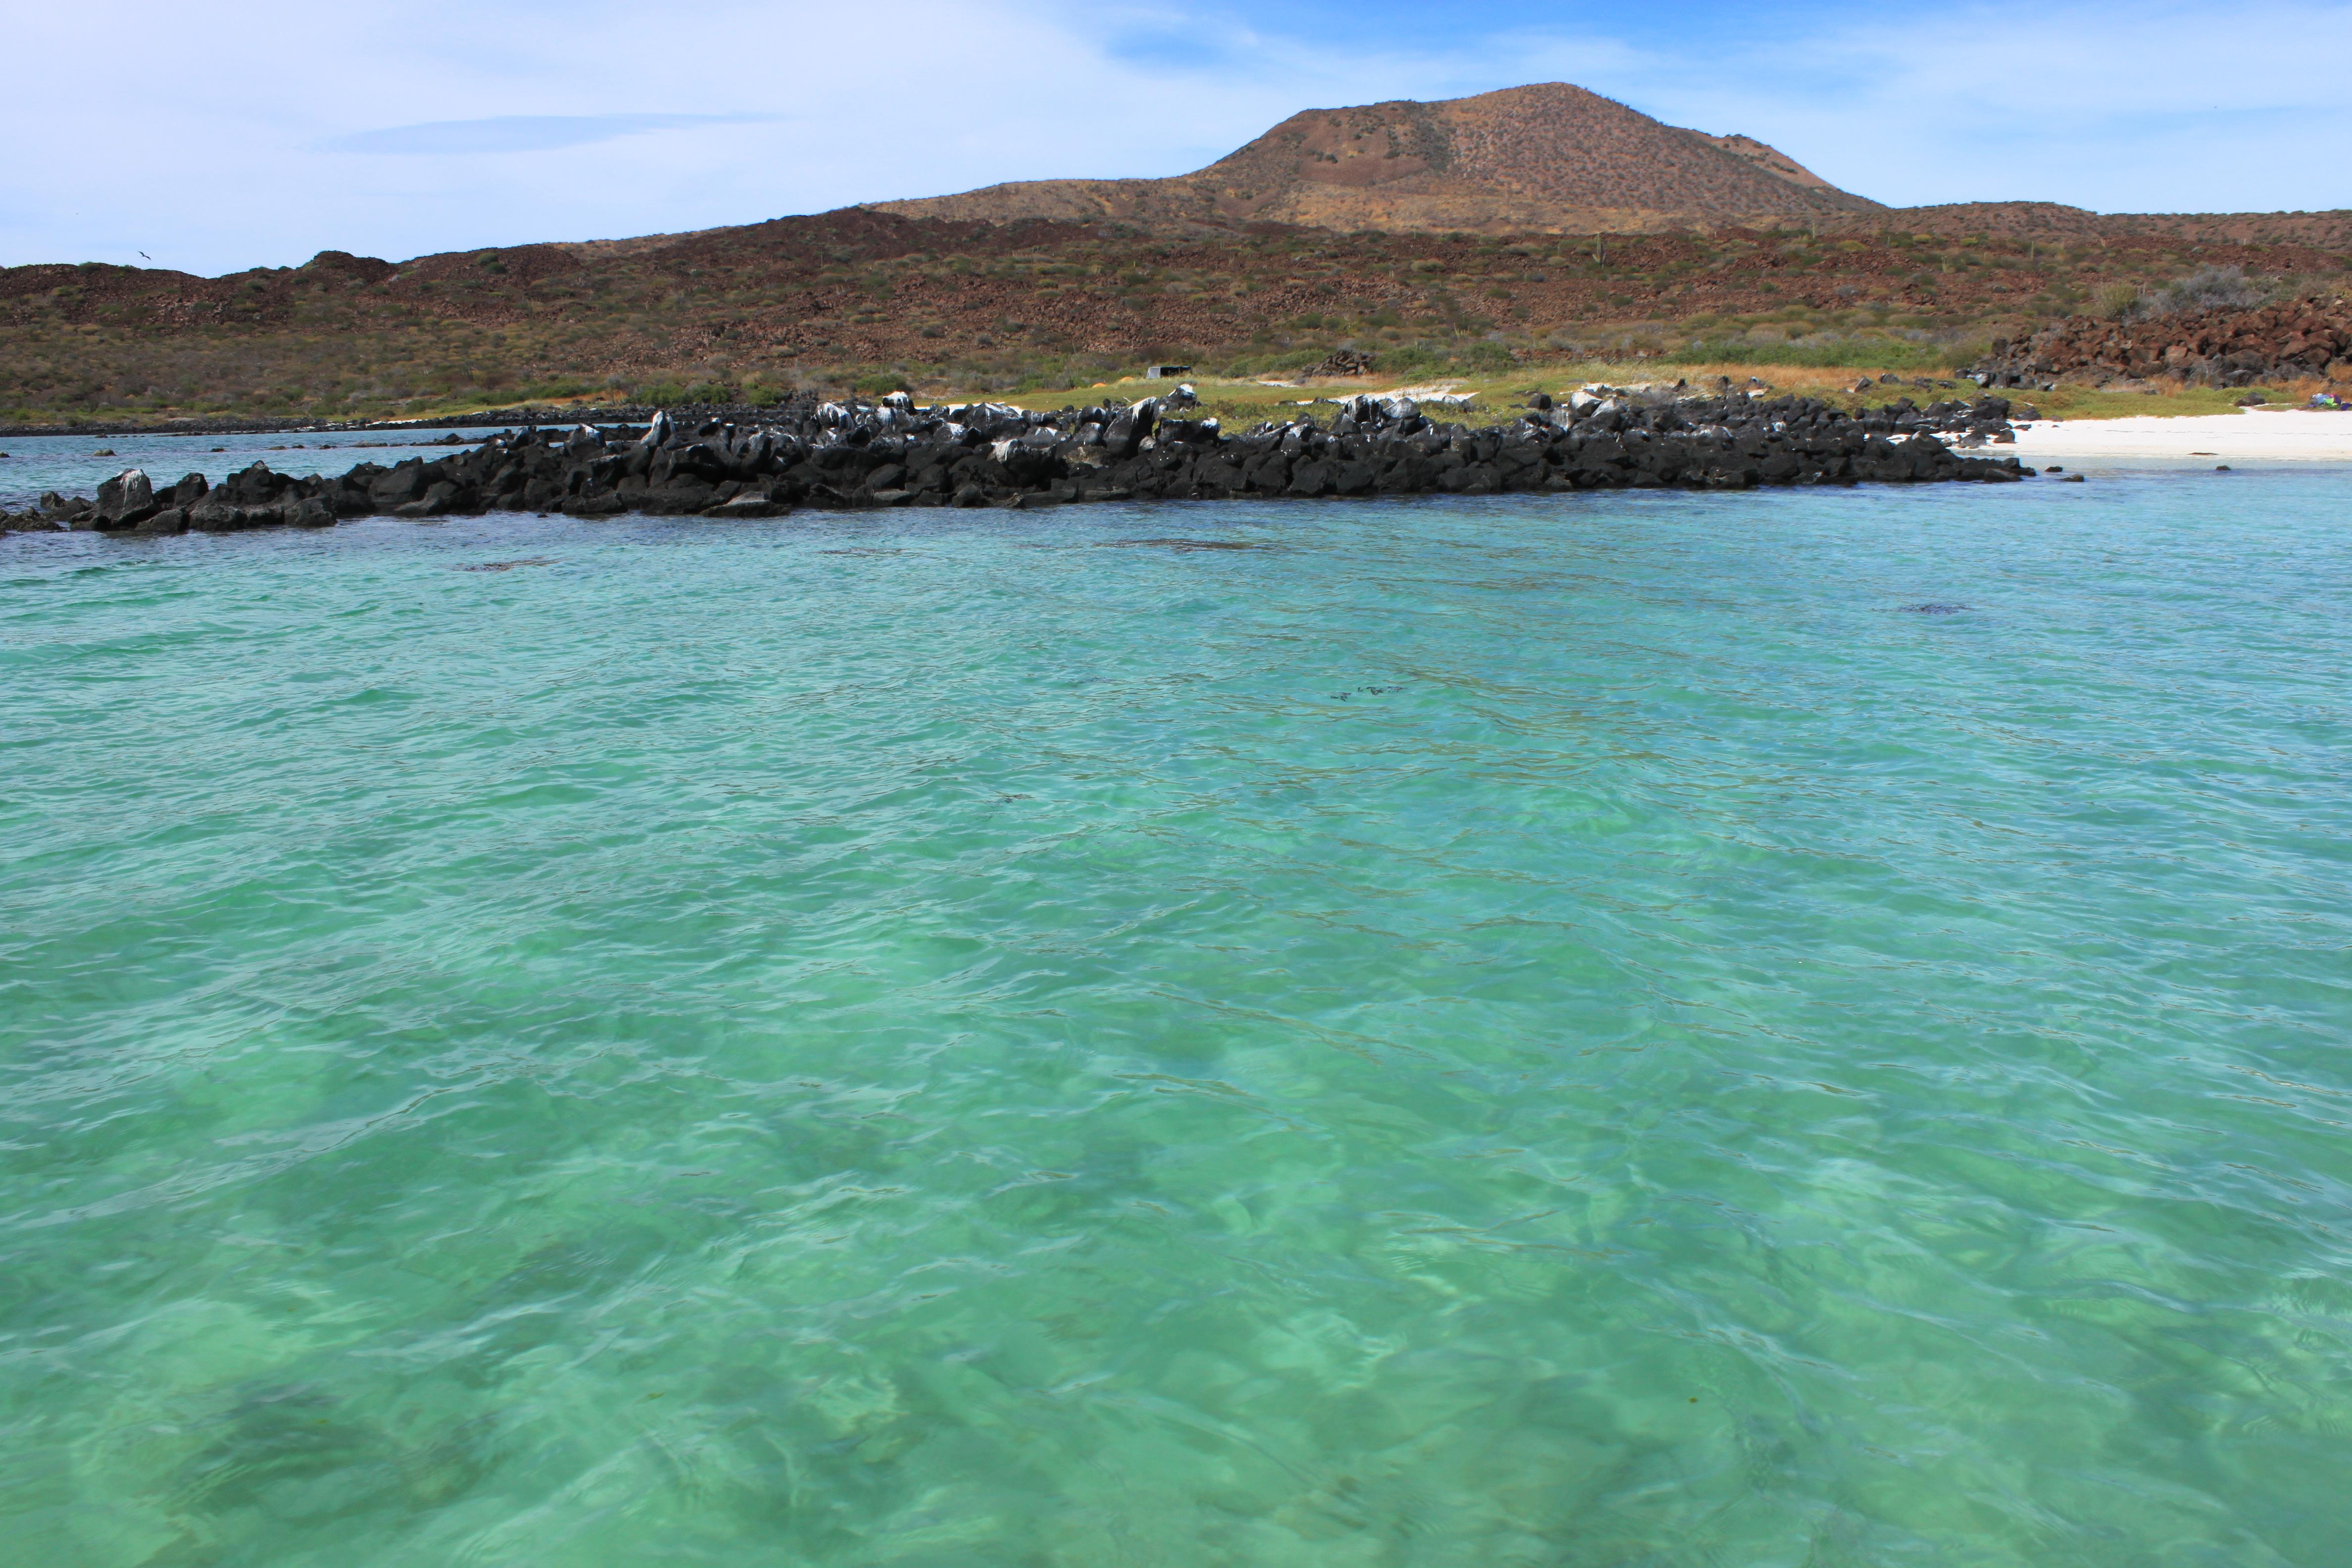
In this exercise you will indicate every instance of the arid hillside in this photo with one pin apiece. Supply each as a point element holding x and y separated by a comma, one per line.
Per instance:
<point>2050,223</point>
<point>861,297</point>
<point>1545,158</point>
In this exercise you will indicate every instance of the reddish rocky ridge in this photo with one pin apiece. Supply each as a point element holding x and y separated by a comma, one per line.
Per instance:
<point>2309,336</point>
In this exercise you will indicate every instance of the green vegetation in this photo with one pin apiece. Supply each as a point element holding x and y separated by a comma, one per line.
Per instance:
<point>1832,350</point>
<point>2088,402</point>
<point>2207,289</point>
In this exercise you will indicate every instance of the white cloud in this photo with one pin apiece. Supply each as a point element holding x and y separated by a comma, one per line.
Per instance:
<point>521,133</point>
<point>2166,107</point>
<point>265,141</point>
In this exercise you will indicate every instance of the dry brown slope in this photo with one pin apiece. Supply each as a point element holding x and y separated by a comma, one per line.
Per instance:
<point>1547,157</point>
<point>2051,221</point>
<point>1774,161</point>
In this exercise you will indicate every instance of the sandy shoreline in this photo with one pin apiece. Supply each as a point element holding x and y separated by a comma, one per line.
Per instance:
<point>2290,435</point>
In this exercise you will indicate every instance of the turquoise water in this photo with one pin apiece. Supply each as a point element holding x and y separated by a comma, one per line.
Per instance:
<point>1524,1031</point>
<point>76,465</point>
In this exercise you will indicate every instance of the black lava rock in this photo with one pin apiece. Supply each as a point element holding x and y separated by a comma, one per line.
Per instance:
<point>849,455</point>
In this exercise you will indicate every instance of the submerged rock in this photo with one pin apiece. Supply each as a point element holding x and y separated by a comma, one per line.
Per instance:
<point>125,502</point>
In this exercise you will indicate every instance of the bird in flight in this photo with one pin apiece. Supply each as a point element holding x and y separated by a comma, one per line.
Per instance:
<point>144,257</point>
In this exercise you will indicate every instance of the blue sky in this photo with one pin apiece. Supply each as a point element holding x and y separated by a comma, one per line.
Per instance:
<point>259,132</point>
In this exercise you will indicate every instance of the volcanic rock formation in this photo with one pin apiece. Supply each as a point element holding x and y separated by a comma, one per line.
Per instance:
<point>846,457</point>
<point>1545,157</point>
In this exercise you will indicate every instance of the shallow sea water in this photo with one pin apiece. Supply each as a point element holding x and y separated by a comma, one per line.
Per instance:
<point>78,465</point>
<point>1474,1031</point>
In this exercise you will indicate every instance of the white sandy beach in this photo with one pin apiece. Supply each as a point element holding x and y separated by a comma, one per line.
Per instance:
<point>2288,436</point>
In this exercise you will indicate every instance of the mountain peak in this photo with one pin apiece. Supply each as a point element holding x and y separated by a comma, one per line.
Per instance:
<point>1550,155</point>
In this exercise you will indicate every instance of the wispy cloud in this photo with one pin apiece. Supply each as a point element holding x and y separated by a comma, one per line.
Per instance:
<point>521,132</point>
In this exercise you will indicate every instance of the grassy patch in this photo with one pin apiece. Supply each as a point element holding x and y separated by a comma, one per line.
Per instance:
<point>2170,402</point>
<point>1874,353</point>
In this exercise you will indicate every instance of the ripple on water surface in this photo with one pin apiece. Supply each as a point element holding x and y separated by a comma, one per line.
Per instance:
<point>1788,1029</point>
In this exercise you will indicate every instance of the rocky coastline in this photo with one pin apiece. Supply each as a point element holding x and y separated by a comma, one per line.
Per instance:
<point>858,456</point>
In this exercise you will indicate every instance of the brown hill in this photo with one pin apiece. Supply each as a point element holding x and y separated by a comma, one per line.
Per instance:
<point>1545,158</point>
<point>1774,161</point>
<point>855,295</point>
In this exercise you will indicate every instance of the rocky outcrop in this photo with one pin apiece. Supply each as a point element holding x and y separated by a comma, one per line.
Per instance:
<point>2310,336</point>
<point>855,456</point>
<point>125,501</point>
<point>1340,362</point>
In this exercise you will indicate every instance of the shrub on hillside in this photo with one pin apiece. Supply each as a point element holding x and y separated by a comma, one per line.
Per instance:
<point>2207,289</point>
<point>2113,301</point>
<point>1488,359</point>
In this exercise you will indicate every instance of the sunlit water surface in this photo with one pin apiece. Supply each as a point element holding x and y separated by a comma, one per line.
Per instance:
<point>1514,1032</point>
